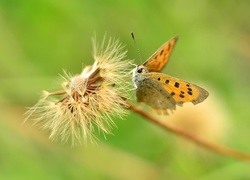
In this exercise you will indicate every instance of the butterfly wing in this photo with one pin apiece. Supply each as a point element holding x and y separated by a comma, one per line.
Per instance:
<point>180,90</point>
<point>153,94</point>
<point>160,58</point>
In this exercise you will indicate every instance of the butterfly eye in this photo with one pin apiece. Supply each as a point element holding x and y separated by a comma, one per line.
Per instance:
<point>139,70</point>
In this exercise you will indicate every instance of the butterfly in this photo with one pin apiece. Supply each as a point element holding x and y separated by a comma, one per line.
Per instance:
<point>161,91</point>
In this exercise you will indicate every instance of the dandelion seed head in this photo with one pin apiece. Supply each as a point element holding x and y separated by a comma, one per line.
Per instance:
<point>88,101</point>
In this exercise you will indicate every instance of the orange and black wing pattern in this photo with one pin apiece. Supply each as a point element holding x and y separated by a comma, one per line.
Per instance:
<point>160,58</point>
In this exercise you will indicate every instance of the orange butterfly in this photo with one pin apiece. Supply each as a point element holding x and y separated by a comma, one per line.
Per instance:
<point>160,91</point>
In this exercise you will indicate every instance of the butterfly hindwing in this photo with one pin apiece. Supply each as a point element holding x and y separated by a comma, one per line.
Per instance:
<point>160,58</point>
<point>152,93</point>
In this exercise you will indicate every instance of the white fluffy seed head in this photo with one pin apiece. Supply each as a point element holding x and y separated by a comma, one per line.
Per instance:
<point>90,100</point>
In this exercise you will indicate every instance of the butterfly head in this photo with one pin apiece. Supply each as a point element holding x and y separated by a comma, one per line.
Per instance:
<point>137,74</point>
<point>140,70</point>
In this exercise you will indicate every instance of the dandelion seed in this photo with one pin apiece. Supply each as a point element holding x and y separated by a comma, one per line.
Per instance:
<point>88,100</point>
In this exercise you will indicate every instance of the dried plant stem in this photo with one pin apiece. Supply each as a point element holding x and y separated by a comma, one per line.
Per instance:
<point>213,147</point>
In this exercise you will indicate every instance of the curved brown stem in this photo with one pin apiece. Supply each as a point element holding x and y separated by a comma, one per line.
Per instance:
<point>213,147</point>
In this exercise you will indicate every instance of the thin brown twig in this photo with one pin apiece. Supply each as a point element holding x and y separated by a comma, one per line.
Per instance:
<point>213,147</point>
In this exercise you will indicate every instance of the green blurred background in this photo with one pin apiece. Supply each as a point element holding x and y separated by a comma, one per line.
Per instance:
<point>40,38</point>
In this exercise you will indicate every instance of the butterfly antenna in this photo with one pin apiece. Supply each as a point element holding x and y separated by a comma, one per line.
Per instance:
<point>138,50</point>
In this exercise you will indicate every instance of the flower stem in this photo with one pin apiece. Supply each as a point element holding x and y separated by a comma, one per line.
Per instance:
<point>211,146</point>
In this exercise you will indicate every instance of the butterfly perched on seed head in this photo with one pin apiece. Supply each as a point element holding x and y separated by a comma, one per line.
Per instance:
<point>161,91</point>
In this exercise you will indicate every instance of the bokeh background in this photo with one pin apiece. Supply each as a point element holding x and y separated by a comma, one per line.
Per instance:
<point>38,39</point>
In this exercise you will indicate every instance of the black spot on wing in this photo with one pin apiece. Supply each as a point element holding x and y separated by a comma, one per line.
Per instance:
<point>177,84</point>
<point>162,52</point>
<point>190,91</point>
<point>182,96</point>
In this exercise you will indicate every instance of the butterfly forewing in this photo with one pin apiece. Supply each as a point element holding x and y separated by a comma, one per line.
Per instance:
<point>160,58</point>
<point>180,90</point>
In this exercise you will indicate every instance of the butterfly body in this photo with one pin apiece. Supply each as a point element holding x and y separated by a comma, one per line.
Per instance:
<point>160,91</point>
<point>150,92</point>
